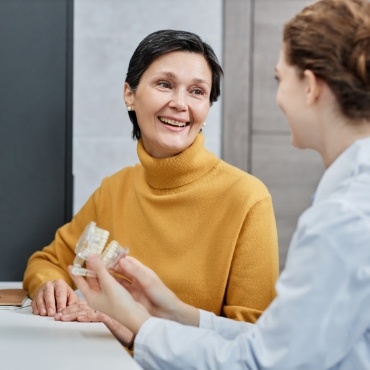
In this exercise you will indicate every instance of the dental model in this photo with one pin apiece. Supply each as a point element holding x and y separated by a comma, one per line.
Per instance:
<point>92,241</point>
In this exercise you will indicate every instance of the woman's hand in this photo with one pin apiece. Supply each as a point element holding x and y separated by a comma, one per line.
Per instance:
<point>105,294</point>
<point>80,311</point>
<point>148,290</point>
<point>52,297</point>
<point>132,302</point>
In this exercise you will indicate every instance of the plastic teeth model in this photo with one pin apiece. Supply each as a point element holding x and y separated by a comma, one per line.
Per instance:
<point>92,241</point>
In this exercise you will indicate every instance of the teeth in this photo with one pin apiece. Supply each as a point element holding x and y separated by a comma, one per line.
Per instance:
<point>172,122</point>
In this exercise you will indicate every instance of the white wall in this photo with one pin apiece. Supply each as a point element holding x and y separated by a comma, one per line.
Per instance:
<point>105,35</point>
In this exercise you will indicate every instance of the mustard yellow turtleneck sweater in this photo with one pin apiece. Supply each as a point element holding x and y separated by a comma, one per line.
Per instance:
<point>205,227</point>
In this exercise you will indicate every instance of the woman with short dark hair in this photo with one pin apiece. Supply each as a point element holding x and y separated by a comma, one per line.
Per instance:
<point>206,227</point>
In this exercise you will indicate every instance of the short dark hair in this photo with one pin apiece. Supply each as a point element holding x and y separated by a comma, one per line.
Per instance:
<point>162,42</point>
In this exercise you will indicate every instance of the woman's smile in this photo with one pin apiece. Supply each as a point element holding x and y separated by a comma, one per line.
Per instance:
<point>173,122</point>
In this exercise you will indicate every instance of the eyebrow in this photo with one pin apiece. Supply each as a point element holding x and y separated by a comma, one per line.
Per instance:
<point>195,80</point>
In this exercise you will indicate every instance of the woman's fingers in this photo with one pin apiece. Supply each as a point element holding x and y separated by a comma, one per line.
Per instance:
<point>135,270</point>
<point>81,283</point>
<point>105,279</point>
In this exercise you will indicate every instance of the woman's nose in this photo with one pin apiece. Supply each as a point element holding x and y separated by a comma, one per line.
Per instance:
<point>178,101</point>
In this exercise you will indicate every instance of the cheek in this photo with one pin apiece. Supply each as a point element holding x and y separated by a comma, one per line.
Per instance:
<point>200,113</point>
<point>146,110</point>
<point>278,99</point>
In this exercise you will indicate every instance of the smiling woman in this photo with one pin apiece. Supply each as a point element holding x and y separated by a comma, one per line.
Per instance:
<point>206,227</point>
<point>171,102</point>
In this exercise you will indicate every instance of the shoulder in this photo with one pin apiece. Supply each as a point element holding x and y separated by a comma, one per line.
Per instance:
<point>332,239</point>
<point>122,175</point>
<point>336,224</point>
<point>119,180</point>
<point>348,202</point>
<point>243,182</point>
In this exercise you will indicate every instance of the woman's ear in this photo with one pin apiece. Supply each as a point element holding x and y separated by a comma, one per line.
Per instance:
<point>313,86</point>
<point>128,95</point>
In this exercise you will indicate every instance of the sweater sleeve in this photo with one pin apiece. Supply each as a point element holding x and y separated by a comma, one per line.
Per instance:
<point>51,263</point>
<point>255,265</point>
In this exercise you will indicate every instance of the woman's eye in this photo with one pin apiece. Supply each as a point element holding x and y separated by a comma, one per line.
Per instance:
<point>198,92</point>
<point>164,84</point>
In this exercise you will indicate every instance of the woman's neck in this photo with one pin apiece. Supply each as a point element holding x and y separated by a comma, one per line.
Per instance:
<point>340,135</point>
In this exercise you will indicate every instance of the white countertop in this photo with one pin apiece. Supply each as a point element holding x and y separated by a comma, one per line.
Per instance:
<point>35,342</point>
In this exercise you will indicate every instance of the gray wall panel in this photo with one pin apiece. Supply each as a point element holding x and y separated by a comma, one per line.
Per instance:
<point>291,176</point>
<point>269,18</point>
<point>238,28</point>
<point>260,141</point>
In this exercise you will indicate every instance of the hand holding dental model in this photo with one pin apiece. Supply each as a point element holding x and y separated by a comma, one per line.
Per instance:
<point>55,296</point>
<point>92,242</point>
<point>144,295</point>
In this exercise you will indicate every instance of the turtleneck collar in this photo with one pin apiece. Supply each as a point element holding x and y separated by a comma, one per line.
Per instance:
<point>179,170</point>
